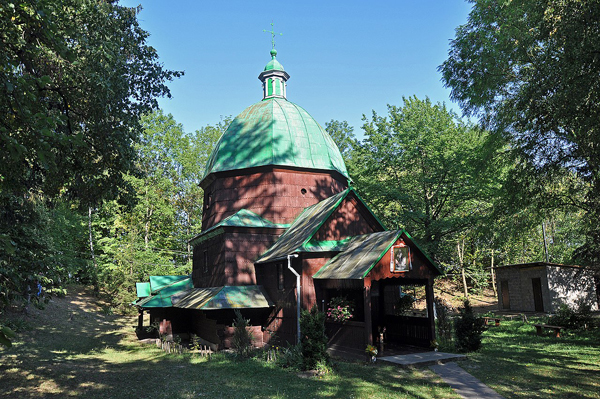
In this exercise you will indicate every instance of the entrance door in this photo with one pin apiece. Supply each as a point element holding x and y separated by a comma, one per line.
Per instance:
<point>538,301</point>
<point>505,297</point>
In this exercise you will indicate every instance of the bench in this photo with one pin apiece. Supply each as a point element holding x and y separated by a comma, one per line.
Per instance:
<point>486,321</point>
<point>539,329</point>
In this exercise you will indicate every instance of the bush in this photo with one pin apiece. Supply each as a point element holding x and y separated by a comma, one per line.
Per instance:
<point>573,319</point>
<point>314,340</point>
<point>242,338</point>
<point>444,324</point>
<point>291,357</point>
<point>468,329</point>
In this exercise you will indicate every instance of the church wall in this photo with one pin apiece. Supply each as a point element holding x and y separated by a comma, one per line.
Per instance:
<point>348,220</point>
<point>231,257</point>
<point>274,194</point>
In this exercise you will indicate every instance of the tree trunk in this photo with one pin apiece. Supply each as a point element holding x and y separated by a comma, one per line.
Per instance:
<point>461,257</point>
<point>494,276</point>
<point>95,265</point>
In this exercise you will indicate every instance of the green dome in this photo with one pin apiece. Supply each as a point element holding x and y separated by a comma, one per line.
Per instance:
<point>275,131</point>
<point>273,65</point>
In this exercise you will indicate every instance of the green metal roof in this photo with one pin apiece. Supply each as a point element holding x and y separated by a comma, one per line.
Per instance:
<point>274,64</point>
<point>359,256</point>
<point>362,253</point>
<point>143,289</point>
<point>242,218</point>
<point>278,132</point>
<point>159,282</point>
<point>304,227</point>
<point>228,297</point>
<point>162,297</point>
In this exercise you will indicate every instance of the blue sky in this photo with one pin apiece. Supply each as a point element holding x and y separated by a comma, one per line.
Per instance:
<point>345,58</point>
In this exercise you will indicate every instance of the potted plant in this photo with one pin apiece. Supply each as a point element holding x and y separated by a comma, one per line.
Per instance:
<point>371,352</point>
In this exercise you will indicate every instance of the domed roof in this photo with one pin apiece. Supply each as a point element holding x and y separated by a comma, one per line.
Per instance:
<point>275,131</point>
<point>273,64</point>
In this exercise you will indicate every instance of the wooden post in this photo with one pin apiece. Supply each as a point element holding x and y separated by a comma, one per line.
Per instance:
<point>368,319</point>
<point>429,300</point>
<point>141,319</point>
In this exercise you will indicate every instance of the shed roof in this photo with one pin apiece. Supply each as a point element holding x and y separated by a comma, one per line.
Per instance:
<point>227,297</point>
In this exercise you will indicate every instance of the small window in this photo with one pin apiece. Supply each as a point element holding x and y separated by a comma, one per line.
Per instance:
<point>400,259</point>
<point>280,276</point>
<point>205,260</point>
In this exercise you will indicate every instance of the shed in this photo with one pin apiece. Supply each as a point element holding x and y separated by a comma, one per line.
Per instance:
<point>543,287</point>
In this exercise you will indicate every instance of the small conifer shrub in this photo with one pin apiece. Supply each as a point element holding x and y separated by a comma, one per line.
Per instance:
<point>242,338</point>
<point>468,329</point>
<point>314,340</point>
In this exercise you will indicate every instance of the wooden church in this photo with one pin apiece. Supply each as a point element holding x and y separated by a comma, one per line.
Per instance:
<point>283,230</point>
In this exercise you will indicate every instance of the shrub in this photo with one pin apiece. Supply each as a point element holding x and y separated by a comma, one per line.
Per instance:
<point>573,319</point>
<point>468,329</point>
<point>291,357</point>
<point>314,340</point>
<point>242,338</point>
<point>444,323</point>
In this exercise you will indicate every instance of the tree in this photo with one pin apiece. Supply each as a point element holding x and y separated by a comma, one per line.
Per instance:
<point>530,70</point>
<point>75,77</point>
<point>424,170</point>
<point>343,135</point>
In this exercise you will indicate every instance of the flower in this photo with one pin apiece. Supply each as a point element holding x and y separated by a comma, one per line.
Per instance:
<point>371,350</point>
<point>339,309</point>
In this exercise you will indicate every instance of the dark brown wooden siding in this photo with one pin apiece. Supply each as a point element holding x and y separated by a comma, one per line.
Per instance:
<point>231,256</point>
<point>278,195</point>
<point>348,220</point>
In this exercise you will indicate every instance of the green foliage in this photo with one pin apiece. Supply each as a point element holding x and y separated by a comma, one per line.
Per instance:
<point>404,304</point>
<point>468,329</point>
<point>314,340</point>
<point>443,324</point>
<point>5,336</point>
<point>343,135</point>
<point>242,337</point>
<point>291,357</point>
<point>529,71</point>
<point>76,77</point>
<point>573,318</point>
<point>423,169</point>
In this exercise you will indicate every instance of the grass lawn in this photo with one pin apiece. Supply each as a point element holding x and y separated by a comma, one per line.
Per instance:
<point>517,363</point>
<point>72,349</point>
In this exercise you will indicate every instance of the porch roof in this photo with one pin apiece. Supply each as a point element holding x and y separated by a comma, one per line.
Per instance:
<point>359,256</point>
<point>227,297</point>
<point>162,297</point>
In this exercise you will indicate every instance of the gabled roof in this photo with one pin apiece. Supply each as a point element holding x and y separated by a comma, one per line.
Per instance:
<point>358,256</point>
<point>299,235</point>
<point>362,253</point>
<point>242,218</point>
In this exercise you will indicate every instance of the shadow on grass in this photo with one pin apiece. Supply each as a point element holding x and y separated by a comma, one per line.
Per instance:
<point>519,364</point>
<point>74,350</point>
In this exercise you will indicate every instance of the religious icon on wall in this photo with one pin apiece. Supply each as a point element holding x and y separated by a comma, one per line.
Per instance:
<point>400,259</point>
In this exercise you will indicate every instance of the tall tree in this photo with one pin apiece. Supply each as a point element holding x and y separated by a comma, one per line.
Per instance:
<point>75,77</point>
<point>425,170</point>
<point>530,70</point>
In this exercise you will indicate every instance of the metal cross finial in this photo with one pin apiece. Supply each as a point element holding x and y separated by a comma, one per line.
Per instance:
<point>272,32</point>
